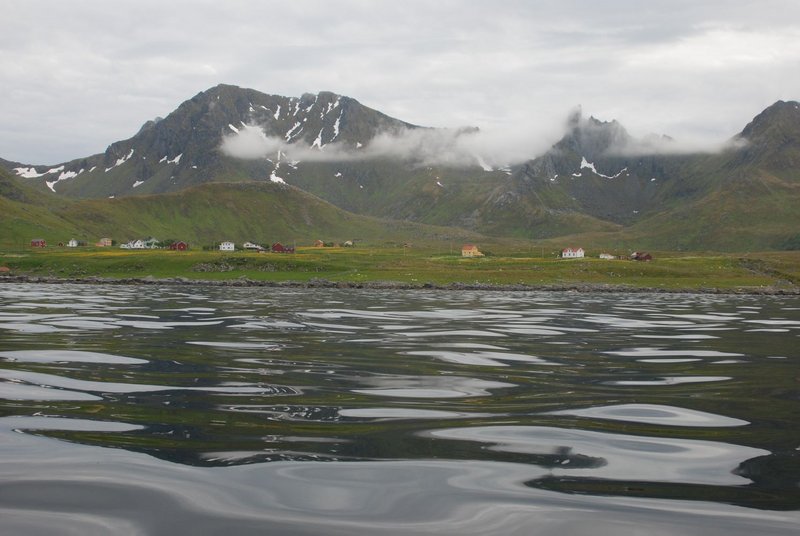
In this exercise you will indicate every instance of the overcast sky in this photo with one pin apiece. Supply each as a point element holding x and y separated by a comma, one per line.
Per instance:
<point>79,75</point>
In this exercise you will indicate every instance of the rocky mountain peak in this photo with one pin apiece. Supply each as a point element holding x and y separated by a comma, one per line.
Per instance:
<point>780,120</point>
<point>591,137</point>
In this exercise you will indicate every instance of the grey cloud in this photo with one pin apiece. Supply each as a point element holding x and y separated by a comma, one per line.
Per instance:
<point>696,70</point>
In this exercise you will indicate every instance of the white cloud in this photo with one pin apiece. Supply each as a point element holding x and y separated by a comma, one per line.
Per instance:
<point>422,146</point>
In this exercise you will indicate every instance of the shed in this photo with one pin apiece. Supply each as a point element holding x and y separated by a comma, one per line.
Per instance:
<point>641,256</point>
<point>38,243</point>
<point>470,250</point>
<point>277,247</point>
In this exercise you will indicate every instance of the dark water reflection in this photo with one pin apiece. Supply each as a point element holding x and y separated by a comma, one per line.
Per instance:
<point>261,411</point>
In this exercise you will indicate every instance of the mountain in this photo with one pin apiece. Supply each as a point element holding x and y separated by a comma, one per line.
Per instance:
<point>183,149</point>
<point>747,196</point>
<point>597,179</point>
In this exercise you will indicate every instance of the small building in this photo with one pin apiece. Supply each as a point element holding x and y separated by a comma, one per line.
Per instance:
<point>252,246</point>
<point>572,253</point>
<point>641,256</point>
<point>38,243</point>
<point>348,244</point>
<point>470,250</point>
<point>72,243</point>
<point>607,256</point>
<point>227,246</point>
<point>277,247</point>
<point>319,244</point>
<point>179,246</point>
<point>150,243</point>
<point>104,243</point>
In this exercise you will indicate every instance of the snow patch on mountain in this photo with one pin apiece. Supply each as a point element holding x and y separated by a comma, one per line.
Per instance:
<point>483,164</point>
<point>233,128</point>
<point>318,141</point>
<point>274,178</point>
<point>585,164</point>
<point>277,112</point>
<point>31,173</point>
<point>291,132</point>
<point>312,104</point>
<point>137,184</point>
<point>28,173</point>
<point>120,161</point>
<point>336,126</point>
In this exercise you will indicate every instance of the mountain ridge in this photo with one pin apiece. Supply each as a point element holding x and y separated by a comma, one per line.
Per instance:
<point>596,178</point>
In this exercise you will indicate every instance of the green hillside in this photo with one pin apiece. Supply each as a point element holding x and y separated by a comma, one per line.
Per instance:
<point>260,212</point>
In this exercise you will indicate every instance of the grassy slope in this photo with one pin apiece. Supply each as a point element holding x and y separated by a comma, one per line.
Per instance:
<point>26,213</point>
<point>262,212</point>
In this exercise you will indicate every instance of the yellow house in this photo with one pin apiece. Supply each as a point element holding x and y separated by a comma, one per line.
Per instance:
<point>470,250</point>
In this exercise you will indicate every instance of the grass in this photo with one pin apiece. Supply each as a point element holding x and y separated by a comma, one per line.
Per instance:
<point>421,265</point>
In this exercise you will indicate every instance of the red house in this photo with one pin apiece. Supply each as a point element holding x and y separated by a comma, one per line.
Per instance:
<point>179,246</point>
<point>277,247</point>
<point>38,243</point>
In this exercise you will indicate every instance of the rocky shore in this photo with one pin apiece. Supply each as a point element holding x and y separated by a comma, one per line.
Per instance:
<point>396,285</point>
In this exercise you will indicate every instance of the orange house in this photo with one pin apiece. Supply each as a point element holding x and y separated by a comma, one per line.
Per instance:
<point>470,250</point>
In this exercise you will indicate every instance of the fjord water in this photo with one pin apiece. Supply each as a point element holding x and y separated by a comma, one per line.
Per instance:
<point>208,410</point>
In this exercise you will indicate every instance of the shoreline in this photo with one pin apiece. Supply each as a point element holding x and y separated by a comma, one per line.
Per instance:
<point>396,285</point>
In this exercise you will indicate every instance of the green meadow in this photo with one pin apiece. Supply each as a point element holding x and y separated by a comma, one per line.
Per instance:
<point>440,264</point>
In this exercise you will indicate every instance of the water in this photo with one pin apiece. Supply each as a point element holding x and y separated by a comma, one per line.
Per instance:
<point>192,410</point>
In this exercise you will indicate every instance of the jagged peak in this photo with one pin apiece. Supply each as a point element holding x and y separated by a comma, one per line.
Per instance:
<point>590,136</point>
<point>782,116</point>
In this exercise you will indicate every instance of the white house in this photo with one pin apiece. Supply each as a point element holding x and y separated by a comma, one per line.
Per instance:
<point>570,253</point>
<point>250,245</point>
<point>72,243</point>
<point>227,246</point>
<point>133,244</point>
<point>607,256</point>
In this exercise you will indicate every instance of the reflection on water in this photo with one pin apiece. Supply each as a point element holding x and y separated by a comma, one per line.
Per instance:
<point>410,412</point>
